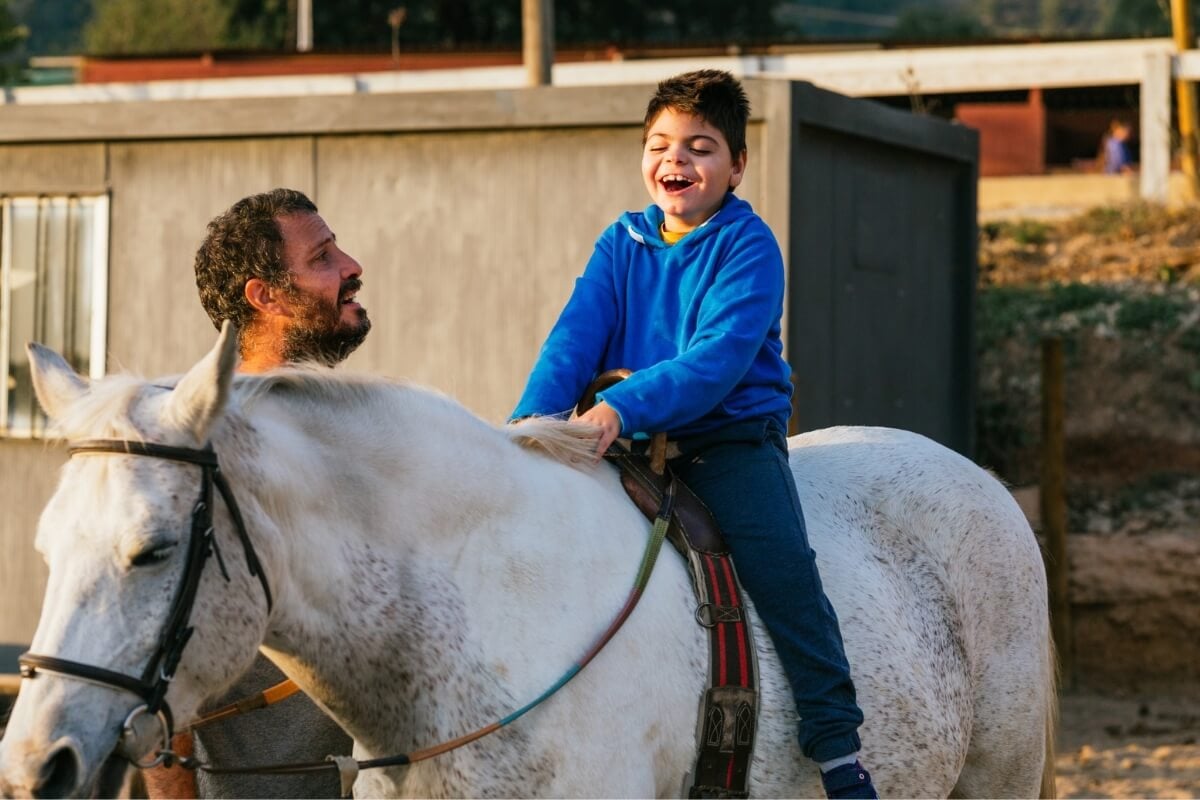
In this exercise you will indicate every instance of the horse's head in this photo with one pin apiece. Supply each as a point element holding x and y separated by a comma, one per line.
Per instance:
<point>118,535</point>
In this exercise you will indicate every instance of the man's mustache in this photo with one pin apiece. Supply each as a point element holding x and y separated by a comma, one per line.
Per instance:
<point>349,287</point>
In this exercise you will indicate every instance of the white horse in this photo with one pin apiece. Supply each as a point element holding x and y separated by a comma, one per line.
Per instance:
<point>432,572</point>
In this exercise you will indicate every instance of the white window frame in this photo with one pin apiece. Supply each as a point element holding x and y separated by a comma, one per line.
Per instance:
<point>98,333</point>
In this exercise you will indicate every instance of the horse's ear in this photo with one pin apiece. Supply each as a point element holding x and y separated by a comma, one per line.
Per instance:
<point>199,397</point>
<point>55,383</point>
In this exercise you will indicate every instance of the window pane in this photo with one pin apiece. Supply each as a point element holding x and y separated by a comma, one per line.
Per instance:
<point>22,283</point>
<point>79,341</point>
<point>51,271</point>
<point>53,291</point>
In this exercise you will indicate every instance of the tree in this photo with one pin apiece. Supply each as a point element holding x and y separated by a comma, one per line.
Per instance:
<point>11,37</point>
<point>1136,18</point>
<point>929,24</point>
<point>55,26</point>
<point>157,26</point>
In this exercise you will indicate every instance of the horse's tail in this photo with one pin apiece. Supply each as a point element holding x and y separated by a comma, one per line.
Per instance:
<point>1049,788</point>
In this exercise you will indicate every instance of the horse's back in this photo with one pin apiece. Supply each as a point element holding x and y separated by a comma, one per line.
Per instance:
<point>940,591</point>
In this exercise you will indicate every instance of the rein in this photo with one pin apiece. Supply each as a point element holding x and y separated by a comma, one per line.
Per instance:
<point>156,678</point>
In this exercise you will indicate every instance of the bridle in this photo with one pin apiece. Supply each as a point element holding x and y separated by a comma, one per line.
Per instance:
<point>156,678</point>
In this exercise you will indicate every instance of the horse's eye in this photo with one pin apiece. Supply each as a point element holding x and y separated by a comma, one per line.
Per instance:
<point>155,555</point>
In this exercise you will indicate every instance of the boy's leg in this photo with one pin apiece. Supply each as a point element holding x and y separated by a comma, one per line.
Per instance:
<point>741,473</point>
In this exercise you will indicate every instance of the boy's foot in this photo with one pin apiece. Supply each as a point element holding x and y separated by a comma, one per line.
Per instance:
<point>849,782</point>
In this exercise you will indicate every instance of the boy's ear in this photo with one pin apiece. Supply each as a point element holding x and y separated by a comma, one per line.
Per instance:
<point>739,170</point>
<point>264,298</point>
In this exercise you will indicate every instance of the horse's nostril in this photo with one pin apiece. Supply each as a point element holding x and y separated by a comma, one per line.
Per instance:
<point>59,776</point>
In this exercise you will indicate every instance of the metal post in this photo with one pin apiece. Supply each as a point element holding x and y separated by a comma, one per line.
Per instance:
<point>537,27</point>
<point>1185,95</point>
<point>304,26</point>
<point>1054,504</point>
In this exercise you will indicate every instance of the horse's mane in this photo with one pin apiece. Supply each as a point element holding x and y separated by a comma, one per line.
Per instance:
<point>570,442</point>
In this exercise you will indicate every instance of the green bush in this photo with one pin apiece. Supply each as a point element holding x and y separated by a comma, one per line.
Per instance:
<point>1190,339</point>
<point>1148,312</point>
<point>1026,231</point>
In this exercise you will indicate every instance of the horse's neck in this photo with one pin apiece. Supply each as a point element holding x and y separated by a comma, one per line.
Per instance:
<point>401,584</point>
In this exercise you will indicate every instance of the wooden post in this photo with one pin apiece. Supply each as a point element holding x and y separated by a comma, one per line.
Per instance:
<point>1054,504</point>
<point>1185,95</point>
<point>537,32</point>
<point>1155,172</point>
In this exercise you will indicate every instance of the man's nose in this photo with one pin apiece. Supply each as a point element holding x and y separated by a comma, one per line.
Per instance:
<point>350,267</point>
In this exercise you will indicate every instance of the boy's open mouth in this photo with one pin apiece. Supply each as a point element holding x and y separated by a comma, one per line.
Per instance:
<point>675,183</point>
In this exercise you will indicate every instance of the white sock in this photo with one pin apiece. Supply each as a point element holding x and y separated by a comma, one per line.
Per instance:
<point>837,762</point>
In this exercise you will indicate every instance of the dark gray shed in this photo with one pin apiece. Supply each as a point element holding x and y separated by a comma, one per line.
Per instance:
<point>883,263</point>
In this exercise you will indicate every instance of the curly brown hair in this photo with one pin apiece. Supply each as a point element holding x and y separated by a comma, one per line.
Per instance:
<point>243,243</point>
<point>713,95</point>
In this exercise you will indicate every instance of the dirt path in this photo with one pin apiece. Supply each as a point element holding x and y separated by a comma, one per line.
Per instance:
<point>1125,747</point>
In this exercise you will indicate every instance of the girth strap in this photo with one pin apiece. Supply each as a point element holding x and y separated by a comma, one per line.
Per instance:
<point>729,707</point>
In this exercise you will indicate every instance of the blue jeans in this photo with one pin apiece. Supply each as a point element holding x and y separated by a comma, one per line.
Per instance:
<point>741,473</point>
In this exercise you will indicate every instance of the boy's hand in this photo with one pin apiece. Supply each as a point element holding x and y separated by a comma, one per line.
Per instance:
<point>608,421</point>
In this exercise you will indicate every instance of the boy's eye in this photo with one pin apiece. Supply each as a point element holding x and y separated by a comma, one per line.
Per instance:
<point>700,151</point>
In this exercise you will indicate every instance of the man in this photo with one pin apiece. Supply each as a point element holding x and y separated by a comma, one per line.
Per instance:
<point>272,266</point>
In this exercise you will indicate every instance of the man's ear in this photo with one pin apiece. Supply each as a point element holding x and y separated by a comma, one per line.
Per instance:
<point>739,170</point>
<point>265,298</point>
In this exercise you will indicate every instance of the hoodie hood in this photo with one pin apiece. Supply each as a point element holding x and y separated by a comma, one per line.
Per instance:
<point>645,227</point>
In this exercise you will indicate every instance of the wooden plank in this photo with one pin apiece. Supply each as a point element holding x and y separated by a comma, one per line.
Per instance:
<point>959,69</point>
<point>10,684</point>
<point>541,107</point>
<point>1186,66</point>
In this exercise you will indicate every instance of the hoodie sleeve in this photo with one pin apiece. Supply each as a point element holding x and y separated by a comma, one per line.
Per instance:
<point>574,350</point>
<point>735,317</point>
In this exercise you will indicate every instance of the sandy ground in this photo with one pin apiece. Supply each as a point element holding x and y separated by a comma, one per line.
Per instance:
<point>1132,746</point>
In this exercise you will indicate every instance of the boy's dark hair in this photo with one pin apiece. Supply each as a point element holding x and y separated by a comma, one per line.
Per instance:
<point>713,95</point>
<point>244,243</point>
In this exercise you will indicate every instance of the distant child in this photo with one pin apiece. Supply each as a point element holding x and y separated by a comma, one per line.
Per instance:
<point>1115,149</point>
<point>689,294</point>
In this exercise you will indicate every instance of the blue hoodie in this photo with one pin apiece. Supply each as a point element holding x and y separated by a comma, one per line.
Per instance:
<point>698,322</point>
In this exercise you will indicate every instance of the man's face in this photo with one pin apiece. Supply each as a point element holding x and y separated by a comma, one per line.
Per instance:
<point>327,323</point>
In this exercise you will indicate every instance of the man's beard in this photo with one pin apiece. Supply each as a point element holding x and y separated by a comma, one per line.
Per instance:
<point>317,332</point>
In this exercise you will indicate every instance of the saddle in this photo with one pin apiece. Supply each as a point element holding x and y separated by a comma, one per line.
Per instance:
<point>728,715</point>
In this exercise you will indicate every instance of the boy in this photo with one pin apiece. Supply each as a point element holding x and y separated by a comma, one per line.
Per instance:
<point>689,294</point>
